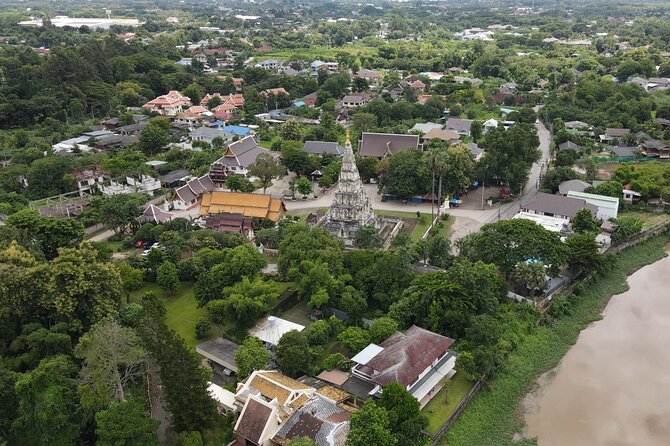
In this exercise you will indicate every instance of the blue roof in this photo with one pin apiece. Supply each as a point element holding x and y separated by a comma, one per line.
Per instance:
<point>237,130</point>
<point>299,103</point>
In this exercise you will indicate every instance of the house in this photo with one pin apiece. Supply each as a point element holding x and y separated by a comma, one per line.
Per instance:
<point>231,223</point>
<point>154,215</point>
<point>132,129</point>
<point>556,206</point>
<point>175,178</point>
<point>237,159</point>
<point>607,207</point>
<point>577,125</point>
<point>623,152</point>
<point>271,328</point>
<point>269,64</point>
<point>322,147</point>
<point>490,125</point>
<point>208,134</point>
<point>425,127</point>
<point>235,130</point>
<point>145,184</point>
<point>417,359</point>
<point>448,136</point>
<point>330,67</point>
<point>193,116</point>
<point>572,185</point>
<point>381,145</point>
<point>115,142</point>
<point>320,419</point>
<point>631,196</point>
<point>188,195</point>
<point>225,399</point>
<point>460,126</point>
<point>553,224</point>
<point>472,80</point>
<point>509,88</point>
<point>417,85</point>
<point>309,100</point>
<point>477,152</point>
<point>170,104</point>
<point>229,103</point>
<point>655,149</point>
<point>266,399</point>
<point>371,76</point>
<point>219,351</point>
<point>356,100</point>
<point>569,145</point>
<point>261,206</point>
<point>274,92</point>
<point>613,135</point>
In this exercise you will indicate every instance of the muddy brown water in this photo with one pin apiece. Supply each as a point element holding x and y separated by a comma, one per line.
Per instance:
<point>613,386</point>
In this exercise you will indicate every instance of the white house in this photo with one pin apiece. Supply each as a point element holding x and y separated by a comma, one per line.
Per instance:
<point>490,125</point>
<point>608,207</point>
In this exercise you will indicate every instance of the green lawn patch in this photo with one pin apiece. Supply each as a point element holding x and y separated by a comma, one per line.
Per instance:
<point>445,402</point>
<point>266,144</point>
<point>298,313</point>
<point>494,415</point>
<point>182,311</point>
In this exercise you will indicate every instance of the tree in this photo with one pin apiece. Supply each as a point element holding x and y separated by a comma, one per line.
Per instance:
<point>246,300</point>
<point>404,174</point>
<point>370,426</point>
<point>438,250</point>
<point>465,363</point>
<point>167,278</point>
<point>297,160</point>
<point>382,328</point>
<point>252,355</point>
<point>292,354</point>
<point>49,233</point>
<point>368,167</point>
<point>125,424</point>
<point>363,122</point>
<point>354,339</point>
<point>153,138</point>
<point>131,278</point>
<point>318,333</point>
<point>47,397</point>
<point>8,402</point>
<point>120,210</point>
<point>625,227</point>
<point>529,276</point>
<point>583,251</point>
<point>301,242</point>
<point>266,168</point>
<point>239,183</point>
<point>336,361</point>
<point>291,130</point>
<point>583,222</point>
<point>112,358</point>
<point>304,186</point>
<point>508,242</point>
<point>459,169</point>
<point>48,176</point>
<point>608,188</point>
<point>185,382</point>
<point>405,418</point>
<point>202,326</point>
<point>367,237</point>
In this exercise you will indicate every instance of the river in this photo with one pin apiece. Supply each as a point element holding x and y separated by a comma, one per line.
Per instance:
<point>613,386</point>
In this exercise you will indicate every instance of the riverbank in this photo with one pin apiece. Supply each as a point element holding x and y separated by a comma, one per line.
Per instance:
<point>495,415</point>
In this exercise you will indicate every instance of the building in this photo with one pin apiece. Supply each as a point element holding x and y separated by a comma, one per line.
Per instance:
<point>356,100</point>
<point>608,207</point>
<point>322,147</point>
<point>237,159</point>
<point>89,179</point>
<point>155,215</point>
<point>371,76</point>
<point>219,351</point>
<point>271,328</point>
<point>269,64</point>
<point>448,136</point>
<point>631,196</point>
<point>425,127</point>
<point>250,205</point>
<point>381,145</point>
<point>460,126</point>
<point>572,185</point>
<point>351,208</point>
<point>187,196</point>
<point>490,125</point>
<point>266,400</point>
<point>330,67</point>
<point>208,134</point>
<point>231,223</point>
<point>556,206</point>
<point>322,420</point>
<point>417,359</point>
<point>170,104</point>
<point>553,224</point>
<point>145,184</point>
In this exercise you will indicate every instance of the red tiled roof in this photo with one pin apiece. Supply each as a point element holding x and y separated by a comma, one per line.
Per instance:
<point>406,355</point>
<point>253,420</point>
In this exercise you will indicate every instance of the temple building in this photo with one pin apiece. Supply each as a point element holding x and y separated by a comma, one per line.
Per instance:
<point>351,208</point>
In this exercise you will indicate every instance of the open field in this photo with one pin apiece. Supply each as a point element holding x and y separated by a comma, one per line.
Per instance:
<point>443,404</point>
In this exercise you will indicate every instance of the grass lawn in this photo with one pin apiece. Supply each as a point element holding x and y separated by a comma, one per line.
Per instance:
<point>421,227</point>
<point>266,144</point>
<point>648,218</point>
<point>494,415</point>
<point>303,213</point>
<point>453,392</point>
<point>182,311</point>
<point>298,313</point>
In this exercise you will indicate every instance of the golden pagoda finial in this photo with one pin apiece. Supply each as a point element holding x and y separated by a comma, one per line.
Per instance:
<point>347,141</point>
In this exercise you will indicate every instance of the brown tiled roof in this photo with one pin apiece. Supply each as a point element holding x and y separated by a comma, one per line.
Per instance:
<point>321,420</point>
<point>253,420</point>
<point>247,204</point>
<point>406,355</point>
<point>275,385</point>
<point>333,393</point>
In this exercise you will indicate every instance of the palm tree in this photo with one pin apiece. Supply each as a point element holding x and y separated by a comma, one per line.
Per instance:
<point>436,160</point>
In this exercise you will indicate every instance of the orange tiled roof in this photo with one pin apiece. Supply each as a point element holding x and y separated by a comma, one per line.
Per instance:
<point>248,204</point>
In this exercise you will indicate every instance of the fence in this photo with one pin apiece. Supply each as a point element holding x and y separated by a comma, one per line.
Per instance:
<point>457,412</point>
<point>636,239</point>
